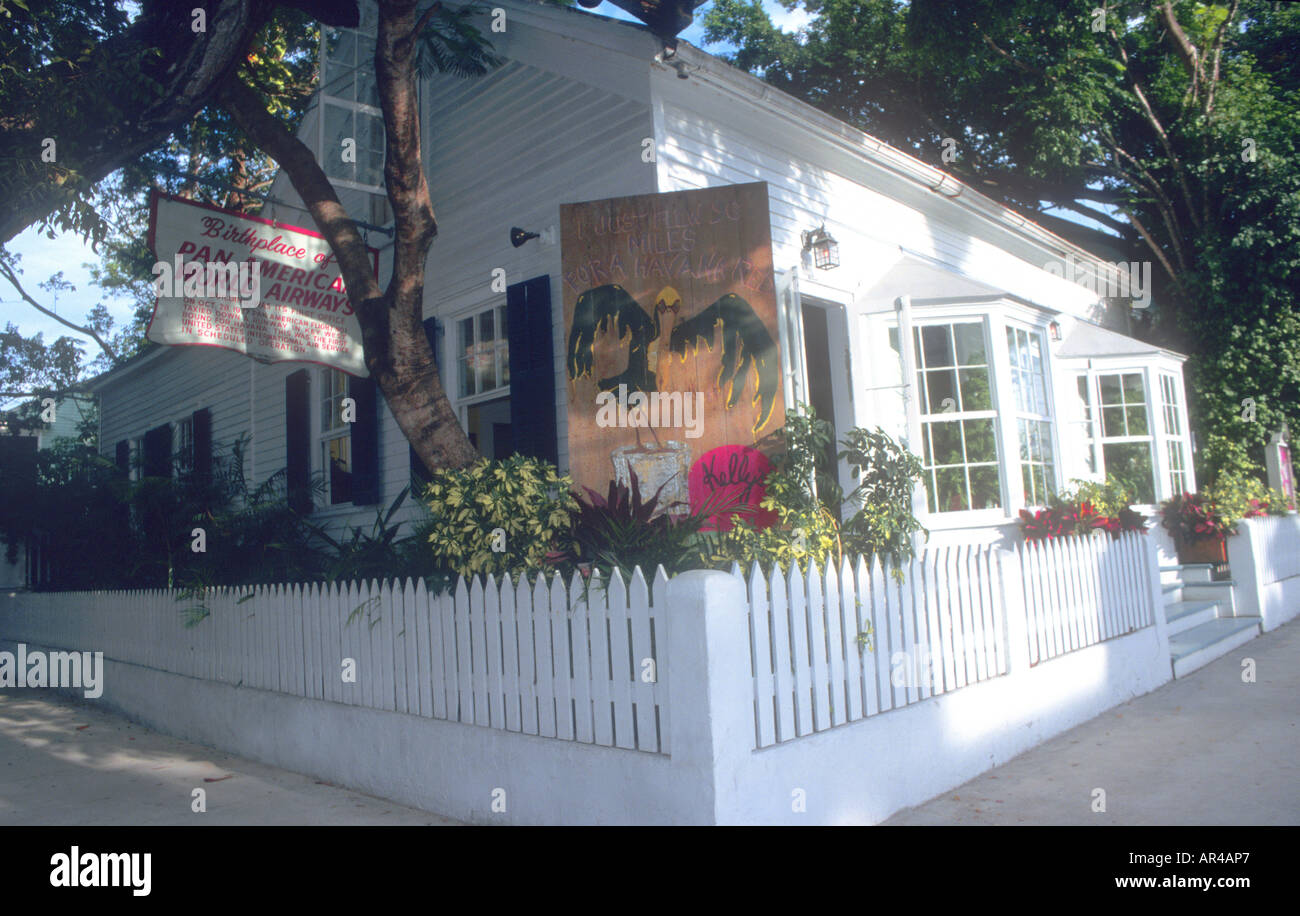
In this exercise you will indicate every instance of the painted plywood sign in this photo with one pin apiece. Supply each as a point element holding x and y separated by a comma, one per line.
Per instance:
<point>670,328</point>
<point>270,291</point>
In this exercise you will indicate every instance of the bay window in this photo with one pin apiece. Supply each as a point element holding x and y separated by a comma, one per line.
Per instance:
<point>1174,436</point>
<point>1033,415</point>
<point>959,424</point>
<point>1126,432</point>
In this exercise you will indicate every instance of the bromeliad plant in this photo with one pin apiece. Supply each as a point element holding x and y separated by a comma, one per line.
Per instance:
<point>1192,517</point>
<point>1069,516</point>
<point>623,529</point>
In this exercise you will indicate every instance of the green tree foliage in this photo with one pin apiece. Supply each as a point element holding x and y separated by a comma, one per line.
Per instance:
<point>1172,127</point>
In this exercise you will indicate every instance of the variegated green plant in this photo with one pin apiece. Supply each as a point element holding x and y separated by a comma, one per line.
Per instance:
<point>499,516</point>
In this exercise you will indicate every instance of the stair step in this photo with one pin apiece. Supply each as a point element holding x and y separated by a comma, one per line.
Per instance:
<point>1202,644</point>
<point>1209,591</point>
<point>1196,573</point>
<point>1183,615</point>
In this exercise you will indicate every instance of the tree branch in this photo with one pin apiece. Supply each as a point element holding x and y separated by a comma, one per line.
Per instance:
<point>8,273</point>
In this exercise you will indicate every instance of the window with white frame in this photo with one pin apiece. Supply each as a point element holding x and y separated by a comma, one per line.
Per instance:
<point>335,437</point>
<point>183,445</point>
<point>349,100</point>
<point>1033,414</point>
<point>483,353</point>
<point>959,425</point>
<point>137,459</point>
<point>1126,432</point>
<point>1082,424</point>
<point>1174,442</point>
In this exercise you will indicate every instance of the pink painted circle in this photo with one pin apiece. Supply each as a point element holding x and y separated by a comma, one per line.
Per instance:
<point>731,475</point>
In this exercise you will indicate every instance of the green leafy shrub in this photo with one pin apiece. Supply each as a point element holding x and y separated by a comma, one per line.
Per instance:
<point>526,498</point>
<point>1107,498</point>
<point>1239,495</point>
<point>883,524</point>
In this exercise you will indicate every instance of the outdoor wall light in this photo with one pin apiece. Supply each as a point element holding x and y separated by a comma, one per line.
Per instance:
<point>519,236</point>
<point>826,251</point>
<point>1054,330</point>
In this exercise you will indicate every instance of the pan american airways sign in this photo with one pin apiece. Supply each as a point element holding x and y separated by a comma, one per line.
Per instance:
<point>270,291</point>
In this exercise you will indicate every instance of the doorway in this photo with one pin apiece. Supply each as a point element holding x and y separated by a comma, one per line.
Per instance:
<point>822,323</point>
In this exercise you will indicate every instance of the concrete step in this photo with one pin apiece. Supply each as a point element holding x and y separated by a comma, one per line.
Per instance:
<point>1183,615</point>
<point>1196,573</point>
<point>1220,591</point>
<point>1202,644</point>
<point>1173,591</point>
<point>1170,574</point>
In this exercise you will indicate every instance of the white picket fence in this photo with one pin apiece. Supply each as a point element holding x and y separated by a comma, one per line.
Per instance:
<point>1080,591</point>
<point>826,647</point>
<point>538,658</point>
<point>835,646</point>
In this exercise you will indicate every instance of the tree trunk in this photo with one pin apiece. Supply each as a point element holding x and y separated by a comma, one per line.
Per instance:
<point>397,350</point>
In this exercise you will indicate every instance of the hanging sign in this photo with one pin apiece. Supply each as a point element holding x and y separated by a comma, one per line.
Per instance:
<point>267,290</point>
<point>670,326</point>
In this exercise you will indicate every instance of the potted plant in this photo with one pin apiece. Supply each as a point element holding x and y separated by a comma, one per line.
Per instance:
<point>1198,528</point>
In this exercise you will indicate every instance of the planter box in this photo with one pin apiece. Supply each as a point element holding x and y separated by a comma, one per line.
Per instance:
<point>1207,550</point>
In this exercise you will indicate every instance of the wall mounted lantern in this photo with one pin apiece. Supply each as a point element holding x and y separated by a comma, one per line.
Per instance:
<point>519,236</point>
<point>1054,330</point>
<point>825,250</point>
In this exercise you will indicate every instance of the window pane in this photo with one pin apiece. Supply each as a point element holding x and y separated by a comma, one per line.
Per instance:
<point>338,127</point>
<point>986,490</point>
<point>1137,421</point>
<point>975,389</point>
<point>1134,391</point>
<point>1130,462</point>
<point>970,345</point>
<point>486,326</point>
<point>951,483</point>
<point>936,344</point>
<point>946,441</point>
<point>980,442</point>
<point>1013,348</point>
<point>941,385</point>
<point>1110,390</point>
<point>1112,421</point>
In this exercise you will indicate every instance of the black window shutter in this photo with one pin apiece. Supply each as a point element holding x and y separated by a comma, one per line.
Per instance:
<point>419,473</point>
<point>158,451</point>
<point>201,424</point>
<point>122,456</point>
<point>365,442</point>
<point>532,368</point>
<point>297,441</point>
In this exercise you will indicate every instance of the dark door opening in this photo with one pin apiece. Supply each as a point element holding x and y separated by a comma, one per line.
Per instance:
<point>821,397</point>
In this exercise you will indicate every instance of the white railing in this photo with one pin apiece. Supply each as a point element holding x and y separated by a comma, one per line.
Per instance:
<point>540,659</point>
<point>1080,591</point>
<point>1264,556</point>
<point>835,646</point>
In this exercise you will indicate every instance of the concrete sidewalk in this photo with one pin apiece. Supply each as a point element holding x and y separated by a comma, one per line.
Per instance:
<point>1207,749</point>
<point>68,763</point>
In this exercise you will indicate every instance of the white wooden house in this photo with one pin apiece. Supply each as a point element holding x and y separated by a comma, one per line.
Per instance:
<point>1015,381</point>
